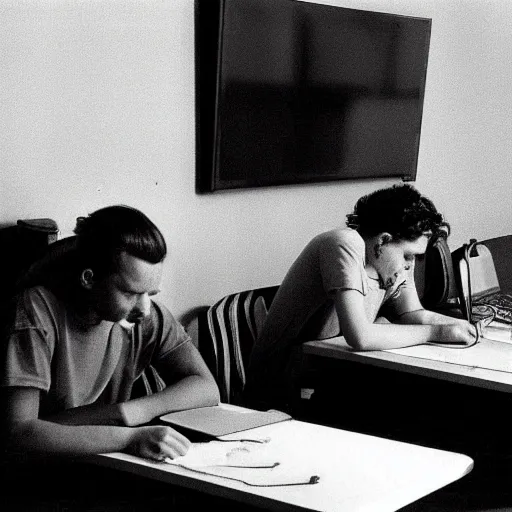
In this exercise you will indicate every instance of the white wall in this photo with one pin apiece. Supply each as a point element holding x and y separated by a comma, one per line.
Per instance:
<point>97,107</point>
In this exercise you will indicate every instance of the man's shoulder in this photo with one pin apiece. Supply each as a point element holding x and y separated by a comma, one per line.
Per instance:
<point>161,326</point>
<point>160,309</point>
<point>160,316</point>
<point>33,305</point>
<point>38,293</point>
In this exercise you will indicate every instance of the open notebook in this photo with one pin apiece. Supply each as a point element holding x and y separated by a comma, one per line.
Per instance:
<point>221,419</point>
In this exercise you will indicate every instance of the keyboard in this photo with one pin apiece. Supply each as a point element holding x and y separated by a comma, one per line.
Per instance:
<point>501,302</point>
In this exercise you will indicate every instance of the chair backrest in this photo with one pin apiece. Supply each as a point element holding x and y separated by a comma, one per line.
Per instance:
<point>21,245</point>
<point>226,334</point>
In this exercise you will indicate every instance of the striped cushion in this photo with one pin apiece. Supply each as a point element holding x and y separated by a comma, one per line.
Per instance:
<point>227,332</point>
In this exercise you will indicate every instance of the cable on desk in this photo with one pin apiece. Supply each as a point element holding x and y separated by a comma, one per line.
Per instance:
<point>312,480</point>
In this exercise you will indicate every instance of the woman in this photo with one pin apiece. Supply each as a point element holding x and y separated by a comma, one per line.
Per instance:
<point>357,282</point>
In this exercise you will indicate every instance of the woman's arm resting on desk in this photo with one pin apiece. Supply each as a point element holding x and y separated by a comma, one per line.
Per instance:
<point>361,334</point>
<point>410,311</point>
<point>425,316</point>
<point>33,436</point>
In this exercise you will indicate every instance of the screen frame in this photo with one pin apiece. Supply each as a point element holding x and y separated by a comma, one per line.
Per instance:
<point>209,47</point>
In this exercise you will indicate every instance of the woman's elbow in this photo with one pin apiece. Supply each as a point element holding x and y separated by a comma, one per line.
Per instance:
<point>354,343</point>
<point>359,341</point>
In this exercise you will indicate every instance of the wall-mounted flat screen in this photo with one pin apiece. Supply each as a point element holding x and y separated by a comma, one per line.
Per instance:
<point>299,92</point>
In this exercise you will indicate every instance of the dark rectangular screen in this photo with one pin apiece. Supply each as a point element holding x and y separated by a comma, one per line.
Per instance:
<point>297,92</point>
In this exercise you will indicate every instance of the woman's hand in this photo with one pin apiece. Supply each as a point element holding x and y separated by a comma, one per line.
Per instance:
<point>461,332</point>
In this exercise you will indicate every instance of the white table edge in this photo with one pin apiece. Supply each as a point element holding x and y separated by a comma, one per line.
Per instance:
<point>185,479</point>
<point>472,376</point>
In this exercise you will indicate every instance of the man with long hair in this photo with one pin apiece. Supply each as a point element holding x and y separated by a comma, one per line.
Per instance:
<point>85,328</point>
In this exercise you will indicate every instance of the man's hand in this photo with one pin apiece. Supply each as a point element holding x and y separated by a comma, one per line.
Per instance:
<point>158,443</point>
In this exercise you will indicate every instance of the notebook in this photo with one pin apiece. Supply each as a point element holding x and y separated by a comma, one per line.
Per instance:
<point>221,419</point>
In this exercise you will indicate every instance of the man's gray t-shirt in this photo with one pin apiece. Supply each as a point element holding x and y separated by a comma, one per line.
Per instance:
<point>74,364</point>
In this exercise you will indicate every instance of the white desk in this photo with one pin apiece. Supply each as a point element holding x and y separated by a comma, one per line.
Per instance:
<point>337,348</point>
<point>357,472</point>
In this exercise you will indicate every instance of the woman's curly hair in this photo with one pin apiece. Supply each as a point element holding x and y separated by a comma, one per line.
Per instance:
<point>399,210</point>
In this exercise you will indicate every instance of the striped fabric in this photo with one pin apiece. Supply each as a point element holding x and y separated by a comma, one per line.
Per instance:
<point>150,381</point>
<point>227,332</point>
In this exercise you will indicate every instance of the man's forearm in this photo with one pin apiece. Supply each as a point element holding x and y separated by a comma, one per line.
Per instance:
<point>92,414</point>
<point>189,392</point>
<point>40,436</point>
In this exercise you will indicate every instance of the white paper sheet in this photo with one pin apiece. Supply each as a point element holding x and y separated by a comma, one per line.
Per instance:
<point>493,355</point>
<point>499,332</point>
<point>238,453</point>
<point>252,463</point>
